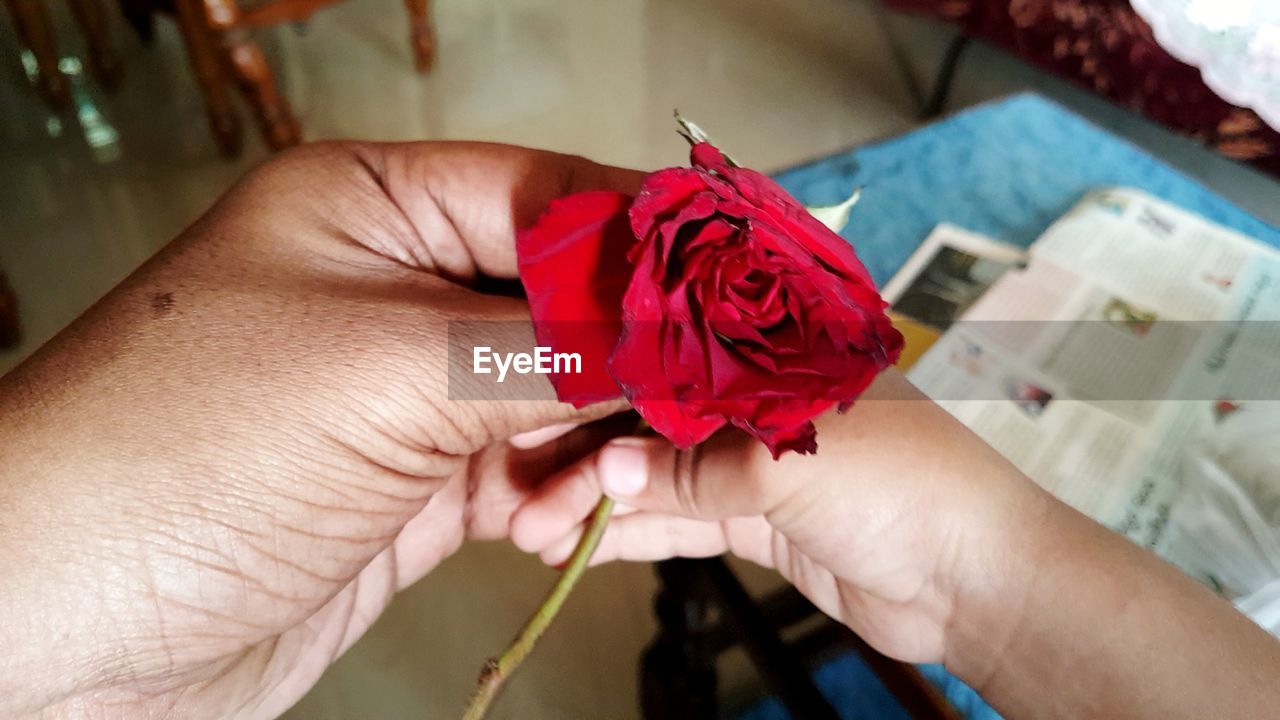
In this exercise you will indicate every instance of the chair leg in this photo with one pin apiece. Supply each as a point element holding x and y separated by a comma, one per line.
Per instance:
<point>678,672</point>
<point>258,85</point>
<point>141,17</point>
<point>782,671</point>
<point>899,54</point>
<point>31,20</point>
<point>422,38</point>
<point>10,330</point>
<point>937,101</point>
<point>934,103</point>
<point>244,59</point>
<point>104,63</point>
<point>207,66</point>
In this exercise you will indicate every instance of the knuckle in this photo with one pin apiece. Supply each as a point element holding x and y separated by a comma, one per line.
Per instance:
<point>309,156</point>
<point>684,469</point>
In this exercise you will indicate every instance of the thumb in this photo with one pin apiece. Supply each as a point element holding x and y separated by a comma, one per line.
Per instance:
<point>727,476</point>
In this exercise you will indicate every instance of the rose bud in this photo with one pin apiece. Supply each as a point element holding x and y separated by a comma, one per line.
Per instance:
<point>711,298</point>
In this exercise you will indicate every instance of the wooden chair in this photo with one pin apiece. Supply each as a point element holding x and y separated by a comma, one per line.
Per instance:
<point>35,32</point>
<point>218,35</point>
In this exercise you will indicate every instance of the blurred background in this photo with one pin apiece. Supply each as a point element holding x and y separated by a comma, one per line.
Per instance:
<point>107,150</point>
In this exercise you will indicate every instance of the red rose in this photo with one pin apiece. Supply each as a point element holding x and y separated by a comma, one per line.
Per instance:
<point>722,300</point>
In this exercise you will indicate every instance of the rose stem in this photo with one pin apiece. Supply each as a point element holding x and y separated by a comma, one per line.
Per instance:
<point>497,670</point>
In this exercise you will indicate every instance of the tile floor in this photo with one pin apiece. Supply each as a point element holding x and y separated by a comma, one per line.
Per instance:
<point>777,81</point>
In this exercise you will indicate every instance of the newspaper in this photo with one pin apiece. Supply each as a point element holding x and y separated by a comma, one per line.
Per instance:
<point>1090,360</point>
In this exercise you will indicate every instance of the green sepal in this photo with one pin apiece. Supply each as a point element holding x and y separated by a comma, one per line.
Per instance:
<point>836,217</point>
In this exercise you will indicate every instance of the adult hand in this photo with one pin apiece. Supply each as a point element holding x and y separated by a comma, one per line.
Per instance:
<point>213,482</point>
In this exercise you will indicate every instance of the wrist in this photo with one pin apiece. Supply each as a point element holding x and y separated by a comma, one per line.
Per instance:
<point>67,598</point>
<point>43,640</point>
<point>991,579</point>
<point>975,515</point>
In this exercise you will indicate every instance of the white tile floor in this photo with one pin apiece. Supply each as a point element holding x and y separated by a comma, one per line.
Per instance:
<point>777,81</point>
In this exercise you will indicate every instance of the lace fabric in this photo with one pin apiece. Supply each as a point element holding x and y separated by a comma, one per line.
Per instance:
<point>1234,43</point>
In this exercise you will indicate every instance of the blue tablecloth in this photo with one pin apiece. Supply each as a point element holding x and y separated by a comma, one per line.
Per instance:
<point>1007,170</point>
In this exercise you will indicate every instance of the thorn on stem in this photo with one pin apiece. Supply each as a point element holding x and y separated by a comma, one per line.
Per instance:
<point>489,671</point>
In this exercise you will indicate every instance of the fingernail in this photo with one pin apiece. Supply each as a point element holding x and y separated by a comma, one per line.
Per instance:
<point>534,438</point>
<point>624,468</point>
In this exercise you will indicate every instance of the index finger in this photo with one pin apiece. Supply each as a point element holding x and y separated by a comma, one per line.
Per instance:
<point>466,201</point>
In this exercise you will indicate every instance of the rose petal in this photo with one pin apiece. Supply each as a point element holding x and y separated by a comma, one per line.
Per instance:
<point>800,437</point>
<point>675,421</point>
<point>573,263</point>
<point>663,194</point>
<point>653,390</point>
<point>706,155</point>
<point>763,198</point>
